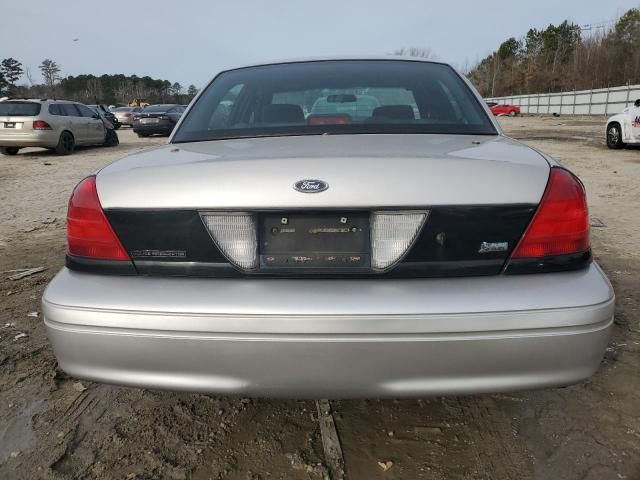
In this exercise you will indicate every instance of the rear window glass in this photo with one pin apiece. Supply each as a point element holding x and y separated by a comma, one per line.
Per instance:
<point>19,109</point>
<point>122,109</point>
<point>342,96</point>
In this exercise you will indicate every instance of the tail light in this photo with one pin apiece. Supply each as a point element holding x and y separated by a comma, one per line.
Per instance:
<point>89,233</point>
<point>41,125</point>
<point>560,226</point>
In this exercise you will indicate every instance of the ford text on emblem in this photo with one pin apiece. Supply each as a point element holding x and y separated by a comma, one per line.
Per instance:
<point>311,186</point>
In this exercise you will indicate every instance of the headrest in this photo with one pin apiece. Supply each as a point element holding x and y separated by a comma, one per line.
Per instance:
<point>394,112</point>
<point>283,113</point>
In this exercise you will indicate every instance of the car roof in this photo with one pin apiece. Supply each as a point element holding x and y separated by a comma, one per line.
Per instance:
<point>40,100</point>
<point>163,106</point>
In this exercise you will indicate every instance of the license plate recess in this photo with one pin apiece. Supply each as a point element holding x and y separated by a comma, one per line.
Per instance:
<point>325,241</point>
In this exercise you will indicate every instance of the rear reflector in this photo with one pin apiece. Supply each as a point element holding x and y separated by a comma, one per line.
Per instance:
<point>560,226</point>
<point>89,233</point>
<point>392,233</point>
<point>236,236</point>
<point>41,125</point>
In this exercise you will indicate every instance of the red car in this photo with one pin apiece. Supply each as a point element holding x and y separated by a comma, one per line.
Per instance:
<point>497,109</point>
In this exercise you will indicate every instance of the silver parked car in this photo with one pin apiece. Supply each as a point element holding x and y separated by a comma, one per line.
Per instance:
<point>54,124</point>
<point>268,251</point>
<point>125,114</point>
<point>156,119</point>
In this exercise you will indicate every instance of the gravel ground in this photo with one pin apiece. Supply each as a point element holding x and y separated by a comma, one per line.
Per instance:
<point>56,427</point>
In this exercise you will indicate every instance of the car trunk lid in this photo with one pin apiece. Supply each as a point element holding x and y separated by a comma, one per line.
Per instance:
<point>362,171</point>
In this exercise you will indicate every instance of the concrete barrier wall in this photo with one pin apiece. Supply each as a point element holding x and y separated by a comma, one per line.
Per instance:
<point>601,101</point>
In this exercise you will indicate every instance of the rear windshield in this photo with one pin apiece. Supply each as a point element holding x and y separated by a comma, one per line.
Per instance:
<point>122,109</point>
<point>19,109</point>
<point>354,96</point>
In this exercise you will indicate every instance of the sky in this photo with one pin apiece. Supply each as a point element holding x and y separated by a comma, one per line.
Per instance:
<point>189,41</point>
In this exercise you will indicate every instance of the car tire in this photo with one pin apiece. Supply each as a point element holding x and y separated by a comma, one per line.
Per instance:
<point>111,139</point>
<point>142,135</point>
<point>66,144</point>
<point>614,136</point>
<point>9,150</point>
<point>513,113</point>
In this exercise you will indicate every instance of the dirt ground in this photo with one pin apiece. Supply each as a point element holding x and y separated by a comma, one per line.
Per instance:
<point>55,427</point>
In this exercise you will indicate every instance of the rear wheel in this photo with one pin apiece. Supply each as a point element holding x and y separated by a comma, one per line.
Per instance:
<point>66,144</point>
<point>111,139</point>
<point>9,150</point>
<point>141,135</point>
<point>513,113</point>
<point>614,136</point>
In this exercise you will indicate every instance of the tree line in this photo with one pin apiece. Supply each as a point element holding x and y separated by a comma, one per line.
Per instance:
<point>563,57</point>
<point>107,89</point>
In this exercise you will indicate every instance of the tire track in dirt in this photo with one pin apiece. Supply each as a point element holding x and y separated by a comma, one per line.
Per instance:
<point>497,450</point>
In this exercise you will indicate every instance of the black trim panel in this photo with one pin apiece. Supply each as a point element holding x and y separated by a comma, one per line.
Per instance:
<point>176,243</point>
<point>187,269</point>
<point>456,233</point>
<point>113,267</point>
<point>162,234</point>
<point>558,263</point>
<point>403,270</point>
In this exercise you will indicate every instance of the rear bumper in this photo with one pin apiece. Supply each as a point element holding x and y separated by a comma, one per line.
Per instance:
<point>336,339</point>
<point>38,138</point>
<point>153,127</point>
<point>125,120</point>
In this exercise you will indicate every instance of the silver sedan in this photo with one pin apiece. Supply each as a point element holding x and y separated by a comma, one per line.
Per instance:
<point>399,247</point>
<point>125,114</point>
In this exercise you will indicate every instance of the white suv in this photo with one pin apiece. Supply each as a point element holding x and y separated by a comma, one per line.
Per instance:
<point>55,124</point>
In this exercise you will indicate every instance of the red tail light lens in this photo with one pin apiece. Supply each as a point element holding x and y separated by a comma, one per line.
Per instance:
<point>41,125</point>
<point>89,233</point>
<point>560,226</point>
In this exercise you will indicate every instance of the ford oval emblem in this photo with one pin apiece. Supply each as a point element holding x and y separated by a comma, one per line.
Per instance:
<point>310,186</point>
